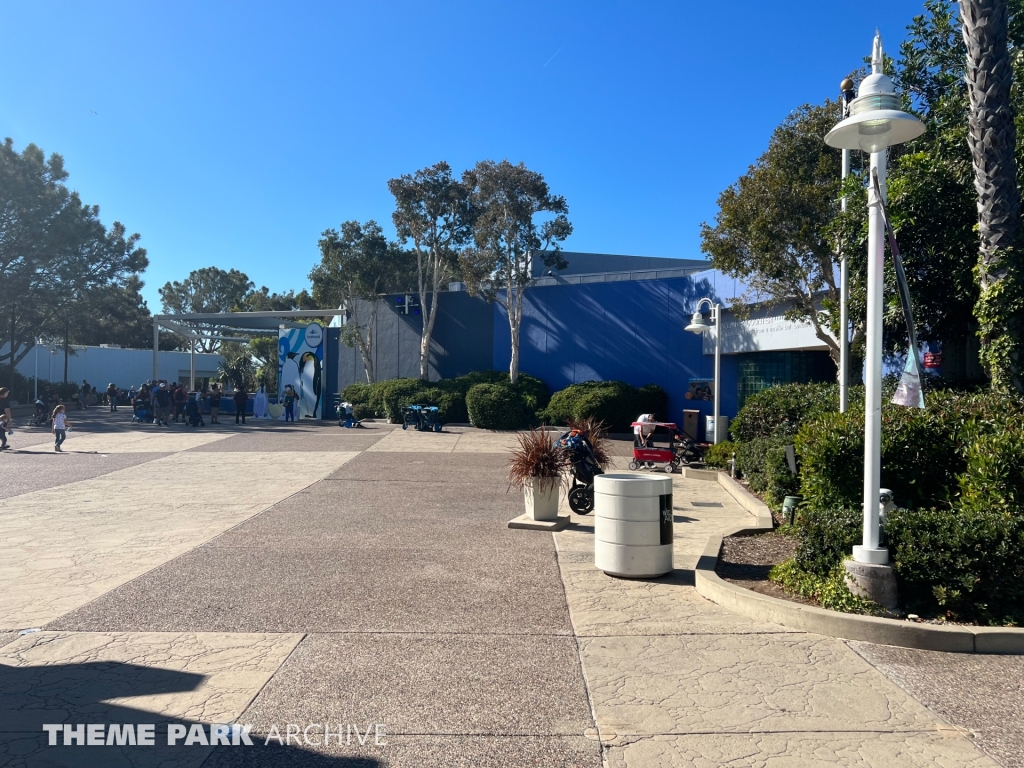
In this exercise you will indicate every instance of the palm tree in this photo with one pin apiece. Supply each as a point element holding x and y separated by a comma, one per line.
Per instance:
<point>992,139</point>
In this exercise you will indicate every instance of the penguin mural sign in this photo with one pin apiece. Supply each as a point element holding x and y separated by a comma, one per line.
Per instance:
<point>300,362</point>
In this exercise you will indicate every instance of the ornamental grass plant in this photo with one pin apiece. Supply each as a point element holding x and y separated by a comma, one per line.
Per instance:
<point>536,457</point>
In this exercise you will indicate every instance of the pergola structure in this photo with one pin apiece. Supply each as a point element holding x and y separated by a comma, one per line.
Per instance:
<point>227,326</point>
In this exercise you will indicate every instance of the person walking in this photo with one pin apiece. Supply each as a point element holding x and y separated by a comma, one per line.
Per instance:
<point>289,402</point>
<point>6,419</point>
<point>214,403</point>
<point>241,399</point>
<point>180,398</point>
<point>84,393</point>
<point>162,404</point>
<point>112,397</point>
<point>60,427</point>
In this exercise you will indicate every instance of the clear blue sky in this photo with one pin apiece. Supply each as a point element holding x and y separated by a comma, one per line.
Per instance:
<point>234,133</point>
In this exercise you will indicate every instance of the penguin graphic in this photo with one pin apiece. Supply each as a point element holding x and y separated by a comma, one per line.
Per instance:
<point>289,374</point>
<point>309,377</point>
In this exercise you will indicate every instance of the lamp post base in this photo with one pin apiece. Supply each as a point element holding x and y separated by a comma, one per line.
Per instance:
<point>874,581</point>
<point>872,555</point>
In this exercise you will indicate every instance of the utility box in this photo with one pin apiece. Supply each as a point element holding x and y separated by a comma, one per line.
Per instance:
<point>691,423</point>
<point>723,429</point>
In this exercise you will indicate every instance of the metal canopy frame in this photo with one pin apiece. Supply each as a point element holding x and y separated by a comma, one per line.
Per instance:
<point>217,326</point>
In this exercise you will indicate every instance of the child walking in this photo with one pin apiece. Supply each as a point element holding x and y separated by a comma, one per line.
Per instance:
<point>60,427</point>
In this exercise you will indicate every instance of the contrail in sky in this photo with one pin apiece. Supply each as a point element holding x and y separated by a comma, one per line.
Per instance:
<point>553,57</point>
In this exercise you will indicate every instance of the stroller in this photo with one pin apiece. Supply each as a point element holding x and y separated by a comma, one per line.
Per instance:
<point>584,469</point>
<point>142,413</point>
<point>192,415</point>
<point>345,417</point>
<point>423,418</point>
<point>40,417</point>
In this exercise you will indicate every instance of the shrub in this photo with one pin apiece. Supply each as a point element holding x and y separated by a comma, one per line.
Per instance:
<point>719,455</point>
<point>615,403</point>
<point>534,392</point>
<point>994,480</point>
<point>967,565</point>
<point>652,399</point>
<point>451,404</point>
<point>362,411</point>
<point>397,393</point>
<point>764,465</point>
<point>826,538</point>
<point>830,591</point>
<point>356,393</point>
<point>496,406</point>
<point>780,411</point>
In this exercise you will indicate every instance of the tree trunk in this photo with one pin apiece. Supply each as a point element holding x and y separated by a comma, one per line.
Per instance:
<point>992,140</point>
<point>10,382</point>
<point>515,316</point>
<point>66,331</point>
<point>429,315</point>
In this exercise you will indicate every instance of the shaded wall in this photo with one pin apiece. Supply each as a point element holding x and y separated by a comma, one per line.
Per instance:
<point>632,331</point>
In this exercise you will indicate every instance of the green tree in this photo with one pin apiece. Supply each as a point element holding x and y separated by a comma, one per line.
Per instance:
<point>263,300</point>
<point>208,290</point>
<point>772,227</point>
<point>357,265</point>
<point>432,209</point>
<point>509,233</point>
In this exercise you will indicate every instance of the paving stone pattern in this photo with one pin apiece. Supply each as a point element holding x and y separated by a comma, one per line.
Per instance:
<point>299,574</point>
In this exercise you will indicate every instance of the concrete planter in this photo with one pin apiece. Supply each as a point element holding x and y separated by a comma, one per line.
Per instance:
<point>541,497</point>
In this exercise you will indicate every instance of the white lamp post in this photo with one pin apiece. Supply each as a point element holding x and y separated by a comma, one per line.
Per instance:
<point>35,376</point>
<point>847,89</point>
<point>875,123</point>
<point>699,325</point>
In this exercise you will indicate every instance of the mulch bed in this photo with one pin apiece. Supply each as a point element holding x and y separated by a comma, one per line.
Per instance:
<point>746,561</point>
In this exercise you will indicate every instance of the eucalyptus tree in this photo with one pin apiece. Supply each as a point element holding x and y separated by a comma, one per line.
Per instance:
<point>357,265</point>
<point>432,209</point>
<point>516,220</point>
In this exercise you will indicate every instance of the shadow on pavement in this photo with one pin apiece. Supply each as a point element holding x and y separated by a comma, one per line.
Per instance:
<point>86,693</point>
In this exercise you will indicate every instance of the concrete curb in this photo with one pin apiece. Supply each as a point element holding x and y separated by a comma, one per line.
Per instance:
<point>822,621</point>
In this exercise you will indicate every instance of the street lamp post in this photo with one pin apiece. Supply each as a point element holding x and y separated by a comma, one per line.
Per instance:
<point>35,376</point>
<point>846,87</point>
<point>876,122</point>
<point>699,325</point>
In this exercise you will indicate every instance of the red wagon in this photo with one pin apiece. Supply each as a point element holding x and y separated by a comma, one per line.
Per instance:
<point>660,442</point>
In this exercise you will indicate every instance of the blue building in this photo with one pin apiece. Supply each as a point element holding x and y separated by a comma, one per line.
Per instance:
<point>605,317</point>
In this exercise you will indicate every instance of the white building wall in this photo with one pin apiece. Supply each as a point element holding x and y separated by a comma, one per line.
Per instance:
<point>124,367</point>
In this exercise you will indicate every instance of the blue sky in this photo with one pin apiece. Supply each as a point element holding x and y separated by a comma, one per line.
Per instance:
<point>233,134</point>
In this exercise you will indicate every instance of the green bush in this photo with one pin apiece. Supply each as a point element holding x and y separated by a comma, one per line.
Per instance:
<point>496,406</point>
<point>830,591</point>
<point>780,411</point>
<point>964,564</point>
<point>924,452</point>
<point>356,393</point>
<point>362,411</point>
<point>994,480</point>
<point>718,456</point>
<point>534,392</point>
<point>763,463</point>
<point>826,538</point>
<point>451,404</point>
<point>615,403</point>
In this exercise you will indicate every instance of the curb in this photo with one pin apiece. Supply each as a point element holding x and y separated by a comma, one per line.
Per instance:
<point>821,621</point>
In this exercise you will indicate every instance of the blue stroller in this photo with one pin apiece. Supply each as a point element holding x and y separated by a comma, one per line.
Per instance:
<point>142,413</point>
<point>584,469</point>
<point>193,417</point>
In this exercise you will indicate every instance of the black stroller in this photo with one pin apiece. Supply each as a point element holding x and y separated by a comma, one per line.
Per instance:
<point>584,469</point>
<point>192,415</point>
<point>40,417</point>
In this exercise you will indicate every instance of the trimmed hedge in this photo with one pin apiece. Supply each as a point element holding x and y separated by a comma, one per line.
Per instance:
<point>924,452</point>
<point>719,455</point>
<point>780,411</point>
<point>615,403</point>
<point>496,406</point>
<point>385,399</point>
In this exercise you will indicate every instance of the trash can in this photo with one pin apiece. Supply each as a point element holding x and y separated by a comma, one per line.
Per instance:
<point>633,525</point>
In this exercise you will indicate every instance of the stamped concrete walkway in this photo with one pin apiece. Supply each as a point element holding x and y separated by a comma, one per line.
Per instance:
<point>285,577</point>
<point>675,680</point>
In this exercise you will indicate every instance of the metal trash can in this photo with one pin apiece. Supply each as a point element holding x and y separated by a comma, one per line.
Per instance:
<point>633,525</point>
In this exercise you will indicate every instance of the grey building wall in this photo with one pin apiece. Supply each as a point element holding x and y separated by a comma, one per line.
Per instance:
<point>461,342</point>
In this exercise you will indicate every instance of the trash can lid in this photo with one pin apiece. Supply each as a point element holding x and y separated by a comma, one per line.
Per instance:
<point>621,484</point>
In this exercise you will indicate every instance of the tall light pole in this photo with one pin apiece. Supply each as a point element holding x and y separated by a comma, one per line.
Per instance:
<point>35,376</point>
<point>846,87</point>
<point>876,122</point>
<point>699,325</point>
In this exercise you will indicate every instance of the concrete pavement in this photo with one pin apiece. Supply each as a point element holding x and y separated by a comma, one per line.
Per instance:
<point>299,575</point>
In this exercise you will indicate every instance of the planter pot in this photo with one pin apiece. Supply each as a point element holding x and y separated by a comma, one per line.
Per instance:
<point>541,497</point>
